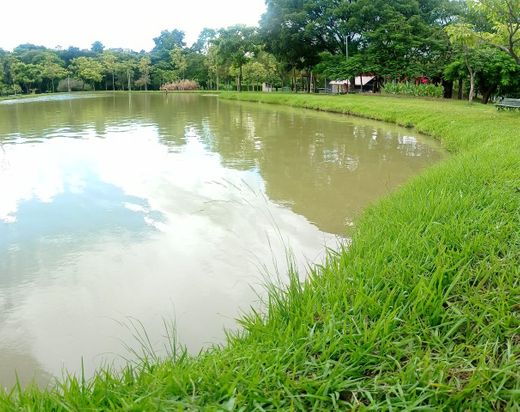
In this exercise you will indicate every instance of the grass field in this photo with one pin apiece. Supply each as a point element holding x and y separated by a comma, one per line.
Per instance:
<point>421,312</point>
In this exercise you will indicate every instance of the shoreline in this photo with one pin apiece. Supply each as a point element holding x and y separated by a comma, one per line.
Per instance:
<point>421,311</point>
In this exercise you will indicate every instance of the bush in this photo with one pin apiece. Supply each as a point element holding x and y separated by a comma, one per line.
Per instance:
<point>76,85</point>
<point>7,90</point>
<point>411,89</point>
<point>180,85</point>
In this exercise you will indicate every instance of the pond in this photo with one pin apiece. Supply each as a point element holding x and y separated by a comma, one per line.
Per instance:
<point>120,212</point>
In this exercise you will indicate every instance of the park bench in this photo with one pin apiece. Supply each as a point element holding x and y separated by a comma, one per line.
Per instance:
<point>507,103</point>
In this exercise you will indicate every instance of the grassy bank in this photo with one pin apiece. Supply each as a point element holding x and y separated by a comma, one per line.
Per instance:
<point>423,311</point>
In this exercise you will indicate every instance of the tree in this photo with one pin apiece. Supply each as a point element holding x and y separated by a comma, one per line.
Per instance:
<point>504,17</point>
<point>52,68</point>
<point>165,42</point>
<point>109,62</point>
<point>88,69</point>
<point>333,66</point>
<point>255,73</point>
<point>214,63</point>
<point>236,44</point>
<point>464,38</point>
<point>26,74</point>
<point>97,47</point>
<point>196,68</point>
<point>401,39</point>
<point>125,70</point>
<point>495,71</point>
<point>29,53</point>
<point>144,69</point>
<point>72,53</point>
<point>204,40</point>
<point>294,35</point>
<point>179,62</point>
<point>4,65</point>
<point>300,30</point>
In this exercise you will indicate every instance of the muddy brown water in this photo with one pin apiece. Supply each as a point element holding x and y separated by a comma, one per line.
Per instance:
<point>121,211</point>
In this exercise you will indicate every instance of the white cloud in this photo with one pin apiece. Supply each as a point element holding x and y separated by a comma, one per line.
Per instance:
<point>116,23</point>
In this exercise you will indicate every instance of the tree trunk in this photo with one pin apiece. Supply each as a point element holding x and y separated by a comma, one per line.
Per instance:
<point>471,85</point>
<point>486,94</point>
<point>447,86</point>
<point>129,80</point>
<point>239,83</point>
<point>113,82</point>
<point>460,94</point>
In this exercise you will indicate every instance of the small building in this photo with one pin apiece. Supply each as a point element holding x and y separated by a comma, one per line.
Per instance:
<point>339,86</point>
<point>364,82</point>
<point>267,88</point>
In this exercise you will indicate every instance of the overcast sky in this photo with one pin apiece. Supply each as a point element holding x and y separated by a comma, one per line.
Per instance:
<point>117,23</point>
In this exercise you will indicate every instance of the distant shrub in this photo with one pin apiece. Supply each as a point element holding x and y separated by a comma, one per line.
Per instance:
<point>412,89</point>
<point>7,90</point>
<point>180,85</point>
<point>75,85</point>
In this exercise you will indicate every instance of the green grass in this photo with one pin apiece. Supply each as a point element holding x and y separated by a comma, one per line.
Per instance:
<point>421,312</point>
<point>19,96</point>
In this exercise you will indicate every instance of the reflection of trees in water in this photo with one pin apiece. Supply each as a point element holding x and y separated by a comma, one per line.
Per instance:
<point>315,161</point>
<point>328,167</point>
<point>34,119</point>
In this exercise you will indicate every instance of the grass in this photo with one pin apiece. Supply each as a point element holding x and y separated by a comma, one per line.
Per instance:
<point>421,312</point>
<point>19,96</point>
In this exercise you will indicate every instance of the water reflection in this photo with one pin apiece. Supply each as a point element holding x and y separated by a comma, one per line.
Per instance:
<point>152,207</point>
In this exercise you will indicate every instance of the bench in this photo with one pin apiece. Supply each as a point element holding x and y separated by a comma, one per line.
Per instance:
<point>507,103</point>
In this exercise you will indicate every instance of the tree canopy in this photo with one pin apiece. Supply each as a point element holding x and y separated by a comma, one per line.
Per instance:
<point>473,45</point>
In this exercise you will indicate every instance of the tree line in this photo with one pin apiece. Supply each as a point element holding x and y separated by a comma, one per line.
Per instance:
<point>468,48</point>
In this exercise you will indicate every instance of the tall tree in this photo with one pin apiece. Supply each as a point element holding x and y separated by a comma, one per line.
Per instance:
<point>52,69</point>
<point>214,63</point>
<point>26,74</point>
<point>465,39</point>
<point>88,69</point>
<point>165,43</point>
<point>109,62</point>
<point>396,39</point>
<point>497,72</point>
<point>144,69</point>
<point>294,35</point>
<point>204,40</point>
<point>504,17</point>
<point>179,62</point>
<point>97,47</point>
<point>72,53</point>
<point>126,70</point>
<point>237,44</point>
<point>29,53</point>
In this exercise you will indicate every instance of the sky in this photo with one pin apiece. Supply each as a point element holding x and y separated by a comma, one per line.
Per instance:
<point>117,23</point>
